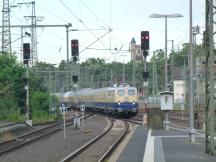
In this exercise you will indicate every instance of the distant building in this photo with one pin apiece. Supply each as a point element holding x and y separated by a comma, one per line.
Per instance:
<point>136,53</point>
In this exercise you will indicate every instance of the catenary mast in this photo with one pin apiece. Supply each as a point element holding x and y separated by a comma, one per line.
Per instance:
<point>6,34</point>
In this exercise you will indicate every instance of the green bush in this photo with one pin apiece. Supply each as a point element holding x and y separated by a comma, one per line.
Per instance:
<point>15,117</point>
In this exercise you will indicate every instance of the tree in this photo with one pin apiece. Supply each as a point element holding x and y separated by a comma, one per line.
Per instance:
<point>10,86</point>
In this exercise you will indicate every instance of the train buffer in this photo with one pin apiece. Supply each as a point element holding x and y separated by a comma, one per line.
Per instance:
<point>159,145</point>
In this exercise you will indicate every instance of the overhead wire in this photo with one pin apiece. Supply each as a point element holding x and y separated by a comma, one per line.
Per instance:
<point>93,12</point>
<point>51,13</point>
<point>80,21</point>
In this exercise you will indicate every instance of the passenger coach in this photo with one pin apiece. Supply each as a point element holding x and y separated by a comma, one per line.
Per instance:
<point>116,100</point>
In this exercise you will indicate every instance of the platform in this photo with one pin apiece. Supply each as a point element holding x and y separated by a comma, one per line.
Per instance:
<point>162,146</point>
<point>135,148</point>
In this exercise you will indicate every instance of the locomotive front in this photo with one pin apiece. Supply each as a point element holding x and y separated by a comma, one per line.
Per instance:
<point>126,101</point>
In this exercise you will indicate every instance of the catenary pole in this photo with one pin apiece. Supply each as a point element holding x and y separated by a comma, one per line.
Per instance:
<point>191,71</point>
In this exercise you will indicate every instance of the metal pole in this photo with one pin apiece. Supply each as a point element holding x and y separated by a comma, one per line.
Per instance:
<point>21,49</point>
<point>153,77</point>
<point>64,127</point>
<point>82,120</point>
<point>27,94</point>
<point>133,73</point>
<point>166,79</point>
<point>172,73</point>
<point>146,85</point>
<point>67,42</point>
<point>123,71</point>
<point>191,134</point>
<point>166,74</point>
<point>67,49</point>
<point>49,84</point>
<point>145,64</point>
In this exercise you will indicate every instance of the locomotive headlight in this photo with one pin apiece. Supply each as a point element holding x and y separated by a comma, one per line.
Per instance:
<point>119,103</point>
<point>119,109</point>
<point>134,102</point>
<point>134,110</point>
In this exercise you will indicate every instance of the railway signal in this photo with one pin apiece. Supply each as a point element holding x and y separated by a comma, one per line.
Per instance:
<point>145,75</point>
<point>145,53</point>
<point>144,40</point>
<point>75,78</point>
<point>26,52</point>
<point>74,47</point>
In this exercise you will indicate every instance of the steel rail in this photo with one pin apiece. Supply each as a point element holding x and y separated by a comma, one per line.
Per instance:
<point>87,145</point>
<point>113,147</point>
<point>18,142</point>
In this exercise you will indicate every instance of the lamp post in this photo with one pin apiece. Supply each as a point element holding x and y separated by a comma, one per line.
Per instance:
<point>172,67</point>
<point>191,75</point>
<point>165,16</point>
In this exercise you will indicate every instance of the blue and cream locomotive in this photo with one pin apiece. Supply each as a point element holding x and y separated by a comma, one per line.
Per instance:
<point>116,100</point>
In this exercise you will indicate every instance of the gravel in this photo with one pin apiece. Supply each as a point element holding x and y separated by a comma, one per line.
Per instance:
<point>55,147</point>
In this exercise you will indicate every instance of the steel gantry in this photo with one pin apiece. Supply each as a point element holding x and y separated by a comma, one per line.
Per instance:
<point>6,34</point>
<point>210,76</point>
<point>67,26</point>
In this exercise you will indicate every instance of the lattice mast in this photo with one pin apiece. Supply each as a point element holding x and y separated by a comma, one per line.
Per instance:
<point>34,57</point>
<point>6,34</point>
<point>34,19</point>
<point>34,35</point>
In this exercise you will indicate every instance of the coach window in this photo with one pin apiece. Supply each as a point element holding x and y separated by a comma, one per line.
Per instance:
<point>121,92</point>
<point>111,93</point>
<point>131,92</point>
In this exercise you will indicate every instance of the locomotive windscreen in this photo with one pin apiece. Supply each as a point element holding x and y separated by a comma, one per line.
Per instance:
<point>131,92</point>
<point>121,92</point>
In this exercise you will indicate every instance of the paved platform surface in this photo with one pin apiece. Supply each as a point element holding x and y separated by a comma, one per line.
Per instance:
<point>163,146</point>
<point>134,150</point>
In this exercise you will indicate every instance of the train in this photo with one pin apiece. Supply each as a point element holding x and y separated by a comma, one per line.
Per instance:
<point>118,100</point>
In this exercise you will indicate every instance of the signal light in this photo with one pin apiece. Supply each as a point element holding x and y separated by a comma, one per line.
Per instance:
<point>25,80</point>
<point>145,75</point>
<point>74,47</point>
<point>75,78</point>
<point>26,52</point>
<point>145,40</point>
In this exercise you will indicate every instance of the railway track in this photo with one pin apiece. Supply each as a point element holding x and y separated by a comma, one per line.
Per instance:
<point>11,124</point>
<point>13,144</point>
<point>96,143</point>
<point>139,122</point>
<point>27,138</point>
<point>112,148</point>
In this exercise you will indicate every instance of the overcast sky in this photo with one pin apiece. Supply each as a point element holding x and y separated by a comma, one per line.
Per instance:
<point>127,18</point>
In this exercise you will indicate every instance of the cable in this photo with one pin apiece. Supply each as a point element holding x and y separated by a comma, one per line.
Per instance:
<point>60,18</point>
<point>93,13</point>
<point>81,21</point>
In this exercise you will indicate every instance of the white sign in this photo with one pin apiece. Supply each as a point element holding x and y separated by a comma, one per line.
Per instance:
<point>166,100</point>
<point>145,84</point>
<point>82,108</point>
<point>63,110</point>
<point>182,107</point>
